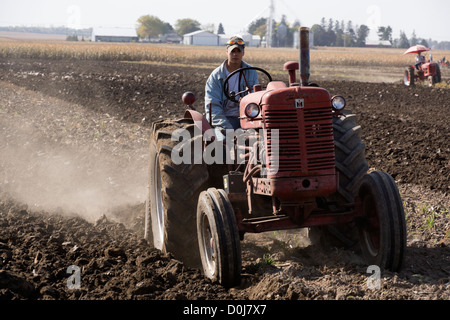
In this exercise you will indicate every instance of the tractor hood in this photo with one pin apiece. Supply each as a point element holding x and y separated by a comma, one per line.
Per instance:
<point>278,95</point>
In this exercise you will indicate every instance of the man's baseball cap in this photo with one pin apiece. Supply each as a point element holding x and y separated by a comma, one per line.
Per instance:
<point>235,42</point>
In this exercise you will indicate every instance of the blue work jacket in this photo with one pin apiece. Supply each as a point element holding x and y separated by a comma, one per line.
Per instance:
<point>215,95</point>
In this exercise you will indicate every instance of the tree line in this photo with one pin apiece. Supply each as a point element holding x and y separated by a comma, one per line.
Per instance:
<point>328,32</point>
<point>149,26</point>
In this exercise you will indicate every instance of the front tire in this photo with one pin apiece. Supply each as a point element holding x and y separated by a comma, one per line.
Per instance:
<point>408,78</point>
<point>383,229</point>
<point>218,238</point>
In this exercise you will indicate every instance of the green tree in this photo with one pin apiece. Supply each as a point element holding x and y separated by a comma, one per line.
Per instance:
<point>424,42</point>
<point>256,25</point>
<point>413,41</point>
<point>339,38</point>
<point>220,29</point>
<point>323,36</point>
<point>183,26</point>
<point>350,36</point>
<point>151,26</point>
<point>330,24</point>
<point>319,34</point>
<point>348,40</point>
<point>167,28</point>
<point>261,31</point>
<point>361,35</point>
<point>385,33</point>
<point>403,42</point>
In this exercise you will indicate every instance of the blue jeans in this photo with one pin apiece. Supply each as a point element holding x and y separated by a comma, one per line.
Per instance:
<point>235,122</point>
<point>221,133</point>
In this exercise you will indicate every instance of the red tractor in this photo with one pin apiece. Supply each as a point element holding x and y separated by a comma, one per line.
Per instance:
<point>421,70</point>
<point>297,162</point>
<point>444,63</point>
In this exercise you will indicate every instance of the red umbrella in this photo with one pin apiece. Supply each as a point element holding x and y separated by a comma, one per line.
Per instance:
<point>417,49</point>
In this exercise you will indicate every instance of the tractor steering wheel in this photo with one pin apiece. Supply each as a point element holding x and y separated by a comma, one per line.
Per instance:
<point>232,95</point>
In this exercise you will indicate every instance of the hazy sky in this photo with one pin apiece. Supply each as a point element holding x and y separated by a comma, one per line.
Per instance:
<point>428,18</point>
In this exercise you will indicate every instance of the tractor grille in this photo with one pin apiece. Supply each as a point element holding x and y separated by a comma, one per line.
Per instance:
<point>305,143</point>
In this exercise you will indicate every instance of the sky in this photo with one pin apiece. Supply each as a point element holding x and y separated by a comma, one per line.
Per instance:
<point>427,18</point>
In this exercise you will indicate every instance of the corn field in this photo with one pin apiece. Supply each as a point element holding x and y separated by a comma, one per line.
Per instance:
<point>201,55</point>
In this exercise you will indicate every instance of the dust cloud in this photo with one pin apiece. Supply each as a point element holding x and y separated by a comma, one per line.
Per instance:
<point>76,175</point>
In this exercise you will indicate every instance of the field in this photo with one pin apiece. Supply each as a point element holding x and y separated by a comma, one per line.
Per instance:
<point>75,120</point>
<point>361,64</point>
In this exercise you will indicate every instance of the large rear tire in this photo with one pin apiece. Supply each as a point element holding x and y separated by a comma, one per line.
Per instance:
<point>438,76</point>
<point>351,165</point>
<point>218,238</point>
<point>351,162</point>
<point>383,228</point>
<point>173,191</point>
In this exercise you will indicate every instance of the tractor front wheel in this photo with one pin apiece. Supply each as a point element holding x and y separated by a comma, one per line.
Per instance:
<point>408,78</point>
<point>218,238</point>
<point>382,229</point>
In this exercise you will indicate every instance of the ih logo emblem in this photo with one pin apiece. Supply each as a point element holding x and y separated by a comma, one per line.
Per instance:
<point>299,103</point>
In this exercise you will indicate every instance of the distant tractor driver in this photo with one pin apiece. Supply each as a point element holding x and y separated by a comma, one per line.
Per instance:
<point>420,59</point>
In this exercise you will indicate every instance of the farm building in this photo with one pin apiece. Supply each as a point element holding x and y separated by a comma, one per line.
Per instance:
<point>171,38</point>
<point>378,44</point>
<point>250,39</point>
<point>206,38</point>
<point>114,34</point>
<point>201,38</point>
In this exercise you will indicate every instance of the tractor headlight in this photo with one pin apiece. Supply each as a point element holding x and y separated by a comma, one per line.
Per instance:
<point>338,103</point>
<point>251,110</point>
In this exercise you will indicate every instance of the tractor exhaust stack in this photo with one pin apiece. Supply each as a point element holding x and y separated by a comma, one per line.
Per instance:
<point>304,56</point>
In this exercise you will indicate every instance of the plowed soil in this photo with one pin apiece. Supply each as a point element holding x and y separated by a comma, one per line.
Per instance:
<point>73,175</point>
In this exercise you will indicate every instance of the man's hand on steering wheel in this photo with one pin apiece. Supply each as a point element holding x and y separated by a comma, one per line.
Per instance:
<point>232,95</point>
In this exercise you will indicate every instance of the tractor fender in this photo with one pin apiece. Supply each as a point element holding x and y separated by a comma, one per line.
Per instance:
<point>201,123</point>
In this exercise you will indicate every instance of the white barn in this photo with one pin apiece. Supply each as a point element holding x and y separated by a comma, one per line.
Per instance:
<point>250,39</point>
<point>378,43</point>
<point>114,34</point>
<point>201,38</point>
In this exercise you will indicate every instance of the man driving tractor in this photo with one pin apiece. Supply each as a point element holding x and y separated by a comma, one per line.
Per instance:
<point>420,59</point>
<point>224,112</point>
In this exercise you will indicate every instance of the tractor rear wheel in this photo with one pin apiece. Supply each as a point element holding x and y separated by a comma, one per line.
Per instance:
<point>382,230</point>
<point>408,78</point>
<point>351,165</point>
<point>173,191</point>
<point>218,238</point>
<point>438,76</point>
<point>350,155</point>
